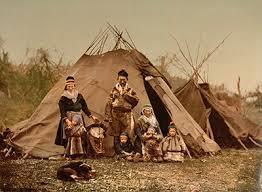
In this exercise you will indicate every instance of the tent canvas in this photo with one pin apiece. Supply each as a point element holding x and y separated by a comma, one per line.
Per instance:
<point>229,127</point>
<point>226,127</point>
<point>95,76</point>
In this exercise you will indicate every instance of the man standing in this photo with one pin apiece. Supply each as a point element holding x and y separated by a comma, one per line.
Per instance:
<point>118,111</point>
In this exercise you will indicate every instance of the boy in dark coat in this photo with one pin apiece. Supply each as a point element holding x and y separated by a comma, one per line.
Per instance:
<point>124,147</point>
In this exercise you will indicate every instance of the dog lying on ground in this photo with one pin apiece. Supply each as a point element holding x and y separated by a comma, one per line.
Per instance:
<point>75,171</point>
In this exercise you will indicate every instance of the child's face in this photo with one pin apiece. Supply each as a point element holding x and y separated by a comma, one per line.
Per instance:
<point>123,139</point>
<point>172,132</point>
<point>147,112</point>
<point>151,131</point>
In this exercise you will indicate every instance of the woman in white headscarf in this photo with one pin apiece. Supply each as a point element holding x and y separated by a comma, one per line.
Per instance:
<point>146,120</point>
<point>71,127</point>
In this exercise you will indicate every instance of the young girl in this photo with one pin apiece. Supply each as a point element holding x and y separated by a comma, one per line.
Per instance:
<point>173,146</point>
<point>152,150</point>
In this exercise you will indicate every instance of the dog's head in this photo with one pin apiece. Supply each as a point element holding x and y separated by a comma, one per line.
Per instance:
<point>86,171</point>
<point>85,168</point>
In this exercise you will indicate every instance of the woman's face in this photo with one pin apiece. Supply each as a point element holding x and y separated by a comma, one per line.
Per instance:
<point>70,87</point>
<point>147,112</point>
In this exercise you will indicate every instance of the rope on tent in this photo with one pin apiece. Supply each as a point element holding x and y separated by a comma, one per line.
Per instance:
<point>253,141</point>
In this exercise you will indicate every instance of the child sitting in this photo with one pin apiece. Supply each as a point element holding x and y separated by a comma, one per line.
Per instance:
<point>124,147</point>
<point>173,146</point>
<point>152,151</point>
<point>95,141</point>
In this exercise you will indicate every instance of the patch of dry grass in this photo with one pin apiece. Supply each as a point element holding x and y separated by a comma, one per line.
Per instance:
<point>232,170</point>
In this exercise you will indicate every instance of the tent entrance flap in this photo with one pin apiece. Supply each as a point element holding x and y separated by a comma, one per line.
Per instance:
<point>159,108</point>
<point>222,135</point>
<point>221,131</point>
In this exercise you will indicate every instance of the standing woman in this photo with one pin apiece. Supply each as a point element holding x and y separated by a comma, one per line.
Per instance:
<point>71,127</point>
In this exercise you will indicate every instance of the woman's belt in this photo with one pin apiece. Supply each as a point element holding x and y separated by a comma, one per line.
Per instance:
<point>121,110</point>
<point>174,151</point>
<point>74,112</point>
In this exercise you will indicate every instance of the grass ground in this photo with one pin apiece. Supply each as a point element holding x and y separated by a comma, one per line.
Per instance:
<point>232,170</point>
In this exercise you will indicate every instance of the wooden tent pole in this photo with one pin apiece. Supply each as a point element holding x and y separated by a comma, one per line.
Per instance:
<point>8,152</point>
<point>131,39</point>
<point>184,56</point>
<point>209,129</point>
<point>253,141</point>
<point>25,156</point>
<point>187,151</point>
<point>235,135</point>
<point>188,52</point>
<point>242,144</point>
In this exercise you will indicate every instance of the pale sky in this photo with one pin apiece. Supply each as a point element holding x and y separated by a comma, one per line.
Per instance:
<point>70,25</point>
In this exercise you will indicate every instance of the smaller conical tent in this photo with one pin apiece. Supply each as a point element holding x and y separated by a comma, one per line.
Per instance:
<point>95,73</point>
<point>229,128</point>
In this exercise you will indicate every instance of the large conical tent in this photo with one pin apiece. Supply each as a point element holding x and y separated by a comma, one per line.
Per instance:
<point>95,73</point>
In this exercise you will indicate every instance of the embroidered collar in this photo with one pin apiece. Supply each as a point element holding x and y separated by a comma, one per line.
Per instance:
<point>72,95</point>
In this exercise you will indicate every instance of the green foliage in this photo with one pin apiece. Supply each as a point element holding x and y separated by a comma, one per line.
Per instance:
<point>5,72</point>
<point>23,86</point>
<point>165,64</point>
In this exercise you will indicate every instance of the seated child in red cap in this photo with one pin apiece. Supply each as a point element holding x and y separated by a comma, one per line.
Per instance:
<point>152,150</point>
<point>173,146</point>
